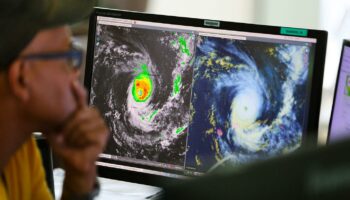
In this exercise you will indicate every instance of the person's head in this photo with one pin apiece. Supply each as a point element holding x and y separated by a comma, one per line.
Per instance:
<point>37,59</point>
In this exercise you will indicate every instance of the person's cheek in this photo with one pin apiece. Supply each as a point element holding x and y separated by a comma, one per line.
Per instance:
<point>66,101</point>
<point>72,105</point>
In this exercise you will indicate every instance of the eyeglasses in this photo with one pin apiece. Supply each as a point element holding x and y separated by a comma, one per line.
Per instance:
<point>74,57</point>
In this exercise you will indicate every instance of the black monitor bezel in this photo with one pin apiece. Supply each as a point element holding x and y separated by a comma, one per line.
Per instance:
<point>317,77</point>
<point>346,43</point>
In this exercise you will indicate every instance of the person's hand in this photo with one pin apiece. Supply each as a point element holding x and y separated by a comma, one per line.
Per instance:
<point>79,143</point>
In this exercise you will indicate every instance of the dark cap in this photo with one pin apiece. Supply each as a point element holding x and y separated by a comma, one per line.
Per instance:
<point>21,20</point>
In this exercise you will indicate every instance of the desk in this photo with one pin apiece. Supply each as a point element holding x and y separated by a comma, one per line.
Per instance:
<point>111,189</point>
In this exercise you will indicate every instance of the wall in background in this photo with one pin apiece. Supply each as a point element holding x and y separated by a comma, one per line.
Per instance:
<point>296,13</point>
<point>229,10</point>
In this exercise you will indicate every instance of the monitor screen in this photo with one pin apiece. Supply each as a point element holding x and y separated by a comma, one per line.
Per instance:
<point>339,128</point>
<point>184,96</point>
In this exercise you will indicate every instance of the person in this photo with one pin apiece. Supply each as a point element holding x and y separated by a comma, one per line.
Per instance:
<point>40,92</point>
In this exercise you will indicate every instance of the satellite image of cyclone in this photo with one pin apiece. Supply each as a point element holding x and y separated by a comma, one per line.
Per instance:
<point>249,101</point>
<point>142,85</point>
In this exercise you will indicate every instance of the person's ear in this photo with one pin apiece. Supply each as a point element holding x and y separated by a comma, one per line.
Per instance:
<point>17,75</point>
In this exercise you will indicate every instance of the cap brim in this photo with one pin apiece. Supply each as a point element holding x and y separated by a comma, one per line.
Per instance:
<point>37,15</point>
<point>68,11</point>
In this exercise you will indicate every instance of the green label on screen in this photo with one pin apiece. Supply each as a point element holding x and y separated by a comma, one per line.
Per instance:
<point>212,23</point>
<point>294,31</point>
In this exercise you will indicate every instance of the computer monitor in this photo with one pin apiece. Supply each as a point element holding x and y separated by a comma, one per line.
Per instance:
<point>317,173</point>
<point>339,126</point>
<point>184,96</point>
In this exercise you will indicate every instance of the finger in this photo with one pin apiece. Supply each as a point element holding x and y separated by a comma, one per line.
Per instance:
<point>57,144</point>
<point>54,139</point>
<point>79,94</point>
<point>88,134</point>
<point>81,130</point>
<point>83,136</point>
<point>78,160</point>
<point>81,116</point>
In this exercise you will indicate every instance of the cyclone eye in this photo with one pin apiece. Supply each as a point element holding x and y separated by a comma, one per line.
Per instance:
<point>143,86</point>
<point>246,108</point>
